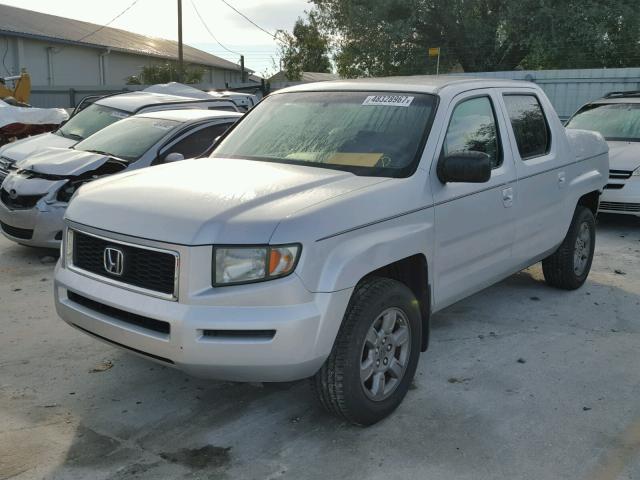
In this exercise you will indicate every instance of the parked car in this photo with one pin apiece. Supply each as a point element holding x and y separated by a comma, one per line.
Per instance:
<point>328,226</point>
<point>34,197</point>
<point>244,101</point>
<point>99,113</point>
<point>617,118</point>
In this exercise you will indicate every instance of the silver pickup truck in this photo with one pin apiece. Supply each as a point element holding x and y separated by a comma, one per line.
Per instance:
<point>327,227</point>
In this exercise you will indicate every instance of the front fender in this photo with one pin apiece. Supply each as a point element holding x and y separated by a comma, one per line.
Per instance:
<point>341,261</point>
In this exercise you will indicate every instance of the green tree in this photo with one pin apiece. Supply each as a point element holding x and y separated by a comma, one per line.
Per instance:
<point>305,50</point>
<point>387,37</point>
<point>165,73</point>
<point>586,34</point>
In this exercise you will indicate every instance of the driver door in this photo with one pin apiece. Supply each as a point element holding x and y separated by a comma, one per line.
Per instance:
<point>474,222</point>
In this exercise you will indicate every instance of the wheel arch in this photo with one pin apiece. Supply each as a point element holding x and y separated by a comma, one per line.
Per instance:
<point>413,272</point>
<point>590,200</point>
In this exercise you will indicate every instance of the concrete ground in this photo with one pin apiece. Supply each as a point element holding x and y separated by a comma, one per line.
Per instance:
<point>521,382</point>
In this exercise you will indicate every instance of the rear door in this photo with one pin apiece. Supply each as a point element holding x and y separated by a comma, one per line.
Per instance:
<point>474,222</point>
<point>539,221</point>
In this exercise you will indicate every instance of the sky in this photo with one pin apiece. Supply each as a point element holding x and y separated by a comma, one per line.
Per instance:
<point>158,18</point>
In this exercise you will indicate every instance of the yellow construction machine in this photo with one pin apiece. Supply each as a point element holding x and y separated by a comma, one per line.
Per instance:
<point>16,90</point>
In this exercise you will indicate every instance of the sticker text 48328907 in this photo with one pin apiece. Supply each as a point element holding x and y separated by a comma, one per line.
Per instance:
<point>389,100</point>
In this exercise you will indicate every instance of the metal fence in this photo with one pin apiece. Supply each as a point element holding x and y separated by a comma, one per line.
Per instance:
<point>569,89</point>
<point>65,97</point>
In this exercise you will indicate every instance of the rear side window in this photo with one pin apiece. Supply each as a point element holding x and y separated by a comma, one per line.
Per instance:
<point>199,142</point>
<point>529,125</point>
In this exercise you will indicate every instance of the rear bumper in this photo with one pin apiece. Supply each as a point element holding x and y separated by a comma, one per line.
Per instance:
<point>34,227</point>
<point>303,328</point>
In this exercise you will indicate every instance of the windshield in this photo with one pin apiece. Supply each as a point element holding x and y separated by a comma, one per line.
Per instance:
<point>89,121</point>
<point>615,121</point>
<point>367,133</point>
<point>128,139</point>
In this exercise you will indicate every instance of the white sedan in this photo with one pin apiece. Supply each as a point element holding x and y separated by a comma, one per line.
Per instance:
<point>35,195</point>
<point>617,118</point>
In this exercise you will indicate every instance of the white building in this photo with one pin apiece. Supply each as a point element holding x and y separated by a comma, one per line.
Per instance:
<point>63,53</point>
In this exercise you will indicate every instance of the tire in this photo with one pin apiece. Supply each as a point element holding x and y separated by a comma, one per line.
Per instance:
<point>568,268</point>
<point>340,385</point>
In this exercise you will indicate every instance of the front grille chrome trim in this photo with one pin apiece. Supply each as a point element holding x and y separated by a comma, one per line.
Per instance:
<point>126,286</point>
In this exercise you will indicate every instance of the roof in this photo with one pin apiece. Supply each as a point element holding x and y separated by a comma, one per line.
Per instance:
<point>132,101</point>
<point>190,115</point>
<point>281,76</point>
<point>27,23</point>
<point>415,83</point>
<point>622,100</point>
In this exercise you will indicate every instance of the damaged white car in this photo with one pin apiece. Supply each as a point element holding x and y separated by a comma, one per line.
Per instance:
<point>34,197</point>
<point>95,113</point>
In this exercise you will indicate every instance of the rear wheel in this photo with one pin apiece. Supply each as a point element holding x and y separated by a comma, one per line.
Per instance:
<point>569,267</point>
<point>375,354</point>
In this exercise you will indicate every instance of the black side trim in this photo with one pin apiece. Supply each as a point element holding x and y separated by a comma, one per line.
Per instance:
<point>108,340</point>
<point>121,315</point>
<point>234,334</point>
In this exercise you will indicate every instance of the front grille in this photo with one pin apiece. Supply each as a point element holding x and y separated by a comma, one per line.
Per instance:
<point>21,202</point>
<point>121,315</point>
<point>614,186</point>
<point>620,174</point>
<point>142,268</point>
<point>620,207</point>
<point>21,233</point>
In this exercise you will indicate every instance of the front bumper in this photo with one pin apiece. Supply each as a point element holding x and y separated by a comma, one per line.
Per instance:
<point>303,324</point>
<point>625,200</point>
<point>40,226</point>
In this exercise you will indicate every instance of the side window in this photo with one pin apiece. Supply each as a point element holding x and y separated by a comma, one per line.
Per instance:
<point>529,125</point>
<point>473,128</point>
<point>198,142</point>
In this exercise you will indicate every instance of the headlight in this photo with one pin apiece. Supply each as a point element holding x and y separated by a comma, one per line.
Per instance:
<point>233,265</point>
<point>67,246</point>
<point>67,191</point>
<point>636,172</point>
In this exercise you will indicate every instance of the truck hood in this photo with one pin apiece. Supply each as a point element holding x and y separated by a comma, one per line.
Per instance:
<point>207,201</point>
<point>62,162</point>
<point>624,155</point>
<point>28,146</point>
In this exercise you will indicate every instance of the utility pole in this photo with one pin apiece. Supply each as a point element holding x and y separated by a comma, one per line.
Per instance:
<point>180,53</point>
<point>242,78</point>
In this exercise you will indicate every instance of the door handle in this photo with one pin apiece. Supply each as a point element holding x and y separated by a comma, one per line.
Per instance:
<point>562,179</point>
<point>507,197</point>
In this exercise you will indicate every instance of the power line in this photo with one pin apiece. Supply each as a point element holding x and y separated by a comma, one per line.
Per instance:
<point>249,20</point>
<point>110,21</point>
<point>208,30</point>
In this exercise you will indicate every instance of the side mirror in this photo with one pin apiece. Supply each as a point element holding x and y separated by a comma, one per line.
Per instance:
<point>174,157</point>
<point>465,167</point>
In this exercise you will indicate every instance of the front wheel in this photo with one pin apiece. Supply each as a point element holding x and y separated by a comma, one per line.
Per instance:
<point>375,354</point>
<point>569,267</point>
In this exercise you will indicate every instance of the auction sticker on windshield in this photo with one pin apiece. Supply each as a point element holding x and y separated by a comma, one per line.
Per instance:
<point>389,100</point>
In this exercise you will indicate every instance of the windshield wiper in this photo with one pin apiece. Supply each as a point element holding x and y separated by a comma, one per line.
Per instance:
<point>124,160</point>
<point>100,152</point>
<point>72,136</point>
